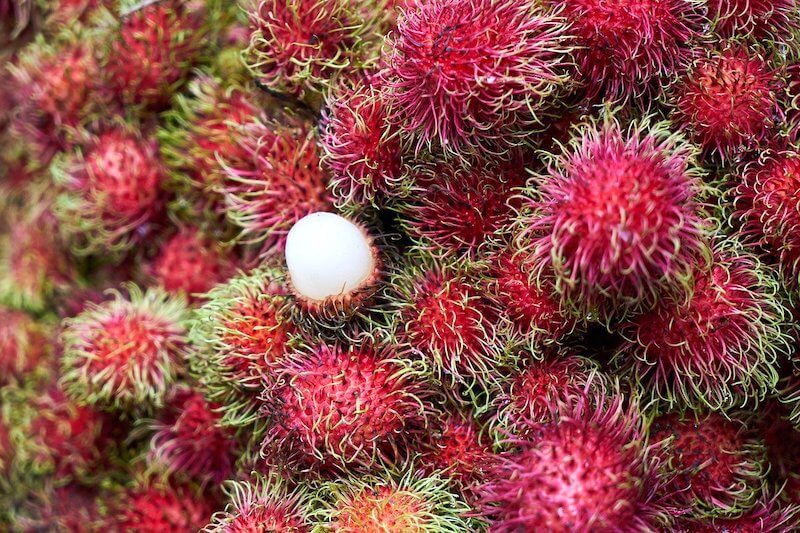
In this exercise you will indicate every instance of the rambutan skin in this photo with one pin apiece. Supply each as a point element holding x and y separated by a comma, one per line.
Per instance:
<point>617,219</point>
<point>25,346</point>
<point>761,19</point>
<point>467,72</point>
<point>124,353</point>
<point>155,507</point>
<point>717,349</point>
<point>625,49</point>
<point>340,409</point>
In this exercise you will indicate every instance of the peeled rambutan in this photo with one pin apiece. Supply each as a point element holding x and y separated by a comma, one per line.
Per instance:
<point>362,154</point>
<point>767,516</point>
<point>387,502</point>
<point>756,18</point>
<point>190,263</point>
<point>265,504</point>
<point>343,408</point>
<point>157,507</point>
<point>154,50</point>
<point>188,440</point>
<point>628,48</point>
<point>296,47</point>
<point>468,72</point>
<point>25,346</point>
<point>282,183</point>
<point>111,191</point>
<point>617,219</point>
<point>458,208</point>
<point>765,203</point>
<point>713,464</point>
<point>124,353</point>
<point>240,336</point>
<point>728,101</point>
<point>590,470</point>
<point>718,348</point>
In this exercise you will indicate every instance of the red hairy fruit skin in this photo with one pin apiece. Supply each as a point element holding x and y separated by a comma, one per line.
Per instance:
<point>111,191</point>
<point>768,515</point>
<point>189,440</point>
<point>296,47</point>
<point>463,73</point>
<point>265,504</point>
<point>341,409</point>
<point>168,508</point>
<point>718,348</point>
<point>728,101</point>
<point>69,508</point>
<point>627,49</point>
<point>617,219</point>
<point>190,263</point>
<point>154,51</point>
<point>241,336</point>
<point>761,19</point>
<point>25,346</point>
<point>714,465</point>
<point>363,155</point>
<point>390,502</point>
<point>457,208</point>
<point>282,183</point>
<point>124,353</point>
<point>766,204</point>
<point>588,471</point>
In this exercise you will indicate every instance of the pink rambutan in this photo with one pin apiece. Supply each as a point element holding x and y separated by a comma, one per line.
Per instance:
<point>188,439</point>
<point>765,203</point>
<point>466,72</point>
<point>156,507</point>
<point>282,183</point>
<point>628,48</point>
<point>767,516</point>
<point>25,346</point>
<point>390,502</point>
<point>125,352</point>
<point>240,337</point>
<point>266,504</point>
<point>590,470</point>
<point>718,348</point>
<point>728,101</point>
<point>111,191</point>
<point>343,408</point>
<point>713,464</point>
<point>156,46</point>
<point>756,18</point>
<point>617,220</point>
<point>362,154</point>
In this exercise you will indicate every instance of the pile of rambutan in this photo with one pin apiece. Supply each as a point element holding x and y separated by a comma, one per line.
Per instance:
<point>377,266</point>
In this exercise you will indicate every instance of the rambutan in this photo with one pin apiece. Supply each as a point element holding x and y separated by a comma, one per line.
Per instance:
<point>154,50</point>
<point>628,48</point>
<point>362,154</point>
<point>25,346</point>
<point>296,47</point>
<point>240,337</point>
<point>69,508</point>
<point>282,183</point>
<point>728,101</point>
<point>124,353</point>
<point>157,507</point>
<point>789,395</point>
<point>111,191</point>
<point>458,208</point>
<point>767,516</point>
<point>765,203</point>
<point>386,502</point>
<point>463,73</point>
<point>713,464</point>
<point>265,504</point>
<point>588,471</point>
<point>617,220</point>
<point>719,348</point>
<point>343,408</point>
<point>761,19</point>
<point>188,439</point>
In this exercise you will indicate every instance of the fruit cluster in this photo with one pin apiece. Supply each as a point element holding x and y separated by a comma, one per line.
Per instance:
<point>400,265</point>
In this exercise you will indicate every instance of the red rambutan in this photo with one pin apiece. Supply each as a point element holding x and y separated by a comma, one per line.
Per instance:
<point>25,346</point>
<point>111,191</point>
<point>266,504</point>
<point>343,409</point>
<point>766,204</point>
<point>69,508</point>
<point>617,220</point>
<point>167,508</point>
<point>728,101</point>
<point>767,516</point>
<point>719,348</point>
<point>125,352</point>
<point>464,72</point>
<point>712,464</point>
<point>761,19</point>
